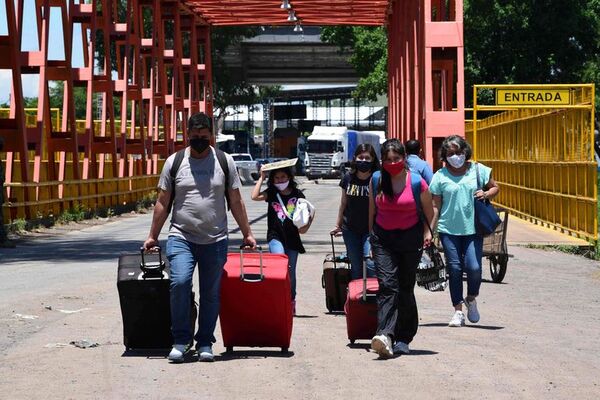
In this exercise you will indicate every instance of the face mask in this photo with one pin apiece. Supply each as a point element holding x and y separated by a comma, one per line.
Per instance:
<point>282,186</point>
<point>456,160</point>
<point>394,168</point>
<point>199,144</point>
<point>364,166</point>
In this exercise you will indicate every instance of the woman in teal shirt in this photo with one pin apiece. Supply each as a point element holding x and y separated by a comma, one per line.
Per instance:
<point>455,189</point>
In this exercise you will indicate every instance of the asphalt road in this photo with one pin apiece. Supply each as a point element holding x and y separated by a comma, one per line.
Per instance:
<point>538,336</point>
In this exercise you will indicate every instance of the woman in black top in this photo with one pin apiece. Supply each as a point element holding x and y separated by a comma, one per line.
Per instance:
<point>283,236</point>
<point>353,215</point>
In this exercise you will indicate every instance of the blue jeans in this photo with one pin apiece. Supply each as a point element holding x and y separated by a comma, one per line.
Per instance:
<point>276,247</point>
<point>183,257</point>
<point>463,254</point>
<point>358,247</point>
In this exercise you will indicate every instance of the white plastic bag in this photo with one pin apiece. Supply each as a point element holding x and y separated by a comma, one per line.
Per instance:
<point>303,213</point>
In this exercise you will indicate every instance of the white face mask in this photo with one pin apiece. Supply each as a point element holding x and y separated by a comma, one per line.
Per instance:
<point>456,160</point>
<point>282,186</point>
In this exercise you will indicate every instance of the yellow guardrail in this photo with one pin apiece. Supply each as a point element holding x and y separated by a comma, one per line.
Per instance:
<point>541,149</point>
<point>54,197</point>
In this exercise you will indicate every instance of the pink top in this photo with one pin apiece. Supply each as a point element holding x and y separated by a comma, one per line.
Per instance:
<point>400,212</point>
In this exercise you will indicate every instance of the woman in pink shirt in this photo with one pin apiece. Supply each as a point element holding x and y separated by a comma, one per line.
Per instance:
<point>398,235</point>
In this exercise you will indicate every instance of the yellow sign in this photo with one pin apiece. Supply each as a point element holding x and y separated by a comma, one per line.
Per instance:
<point>533,97</point>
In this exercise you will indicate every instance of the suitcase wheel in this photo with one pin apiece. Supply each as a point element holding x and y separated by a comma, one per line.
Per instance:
<point>229,349</point>
<point>284,350</point>
<point>352,341</point>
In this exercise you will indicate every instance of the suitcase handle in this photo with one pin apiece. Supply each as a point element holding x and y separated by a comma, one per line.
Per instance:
<point>251,277</point>
<point>152,267</point>
<point>364,293</point>
<point>332,235</point>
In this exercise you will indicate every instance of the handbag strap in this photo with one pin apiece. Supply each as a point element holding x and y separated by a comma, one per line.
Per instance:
<point>477,172</point>
<point>285,211</point>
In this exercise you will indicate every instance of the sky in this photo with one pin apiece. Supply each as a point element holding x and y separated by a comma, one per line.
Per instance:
<point>56,49</point>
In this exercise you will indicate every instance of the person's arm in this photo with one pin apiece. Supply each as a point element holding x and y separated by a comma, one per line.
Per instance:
<point>257,195</point>
<point>490,190</point>
<point>159,216</point>
<point>238,209</point>
<point>437,206</point>
<point>427,173</point>
<point>340,218</point>
<point>371,207</point>
<point>427,205</point>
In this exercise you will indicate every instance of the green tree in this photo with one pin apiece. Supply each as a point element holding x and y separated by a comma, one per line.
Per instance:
<point>369,56</point>
<point>230,89</point>
<point>506,41</point>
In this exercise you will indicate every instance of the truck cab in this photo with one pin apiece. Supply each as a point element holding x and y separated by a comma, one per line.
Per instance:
<point>329,150</point>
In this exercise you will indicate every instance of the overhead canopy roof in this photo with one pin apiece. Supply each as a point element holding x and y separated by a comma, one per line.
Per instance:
<point>308,12</point>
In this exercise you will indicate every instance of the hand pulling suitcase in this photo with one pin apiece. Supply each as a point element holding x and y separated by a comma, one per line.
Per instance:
<point>335,278</point>
<point>143,286</point>
<point>256,301</point>
<point>361,307</point>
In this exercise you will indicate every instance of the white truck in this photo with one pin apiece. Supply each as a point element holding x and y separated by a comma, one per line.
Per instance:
<point>330,149</point>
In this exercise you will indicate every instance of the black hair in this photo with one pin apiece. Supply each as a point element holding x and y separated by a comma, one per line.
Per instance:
<point>386,180</point>
<point>288,171</point>
<point>200,121</point>
<point>365,148</point>
<point>413,147</point>
<point>457,141</point>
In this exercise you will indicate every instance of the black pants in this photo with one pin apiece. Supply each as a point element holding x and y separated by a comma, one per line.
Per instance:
<point>396,255</point>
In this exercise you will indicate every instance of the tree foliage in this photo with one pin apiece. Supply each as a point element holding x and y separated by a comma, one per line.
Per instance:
<point>506,41</point>
<point>369,56</point>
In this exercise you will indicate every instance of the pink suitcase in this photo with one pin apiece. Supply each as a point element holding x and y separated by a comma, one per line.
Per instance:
<point>256,302</point>
<point>361,308</point>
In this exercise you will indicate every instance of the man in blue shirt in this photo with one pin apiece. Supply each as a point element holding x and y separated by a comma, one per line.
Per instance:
<point>415,163</point>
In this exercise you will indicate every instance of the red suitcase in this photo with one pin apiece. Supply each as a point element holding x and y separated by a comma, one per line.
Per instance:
<point>361,308</point>
<point>256,301</point>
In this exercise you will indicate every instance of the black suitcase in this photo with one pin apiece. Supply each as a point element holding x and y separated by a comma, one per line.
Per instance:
<point>335,278</point>
<point>143,285</point>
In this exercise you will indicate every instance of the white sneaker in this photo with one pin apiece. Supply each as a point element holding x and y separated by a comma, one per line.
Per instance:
<point>472,311</point>
<point>205,354</point>
<point>458,319</point>
<point>401,347</point>
<point>178,352</point>
<point>382,345</point>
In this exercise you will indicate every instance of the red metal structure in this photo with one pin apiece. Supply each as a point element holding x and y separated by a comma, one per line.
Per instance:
<point>151,58</point>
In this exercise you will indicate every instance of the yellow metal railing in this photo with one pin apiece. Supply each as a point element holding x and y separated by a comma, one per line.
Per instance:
<point>54,197</point>
<point>542,157</point>
<point>31,116</point>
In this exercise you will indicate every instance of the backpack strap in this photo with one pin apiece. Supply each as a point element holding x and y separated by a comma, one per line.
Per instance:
<point>222,158</point>
<point>415,183</point>
<point>173,172</point>
<point>375,178</point>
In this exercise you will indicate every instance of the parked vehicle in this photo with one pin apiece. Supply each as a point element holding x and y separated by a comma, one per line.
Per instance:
<point>329,149</point>
<point>245,165</point>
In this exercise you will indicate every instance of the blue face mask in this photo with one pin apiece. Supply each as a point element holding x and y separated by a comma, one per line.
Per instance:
<point>364,166</point>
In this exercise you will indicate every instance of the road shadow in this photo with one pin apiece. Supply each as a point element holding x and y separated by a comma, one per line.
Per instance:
<point>65,248</point>
<point>248,354</point>
<point>151,354</point>
<point>364,346</point>
<point>445,325</point>
<point>305,316</point>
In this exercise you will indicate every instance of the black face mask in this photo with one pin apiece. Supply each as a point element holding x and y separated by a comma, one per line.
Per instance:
<point>199,144</point>
<point>364,166</point>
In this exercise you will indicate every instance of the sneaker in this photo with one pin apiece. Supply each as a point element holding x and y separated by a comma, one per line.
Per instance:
<point>472,312</point>
<point>178,352</point>
<point>205,353</point>
<point>458,319</point>
<point>401,347</point>
<point>382,345</point>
